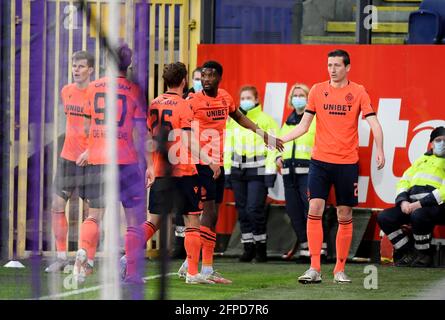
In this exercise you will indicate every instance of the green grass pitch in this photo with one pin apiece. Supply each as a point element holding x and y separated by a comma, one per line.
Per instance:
<point>272,280</point>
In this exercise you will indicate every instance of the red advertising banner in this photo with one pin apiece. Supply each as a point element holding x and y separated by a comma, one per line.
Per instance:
<point>405,83</point>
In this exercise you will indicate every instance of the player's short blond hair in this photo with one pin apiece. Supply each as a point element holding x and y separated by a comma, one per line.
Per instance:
<point>301,86</point>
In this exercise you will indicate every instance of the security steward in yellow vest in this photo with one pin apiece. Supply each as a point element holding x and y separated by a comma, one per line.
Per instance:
<point>419,202</point>
<point>250,169</point>
<point>294,163</point>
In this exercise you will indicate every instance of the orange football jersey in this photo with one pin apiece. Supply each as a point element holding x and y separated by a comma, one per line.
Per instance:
<point>337,111</point>
<point>73,99</point>
<point>211,115</point>
<point>171,112</point>
<point>130,107</point>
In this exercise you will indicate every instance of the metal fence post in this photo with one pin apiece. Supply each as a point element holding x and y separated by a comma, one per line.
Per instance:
<point>5,34</point>
<point>363,35</point>
<point>297,21</point>
<point>208,21</point>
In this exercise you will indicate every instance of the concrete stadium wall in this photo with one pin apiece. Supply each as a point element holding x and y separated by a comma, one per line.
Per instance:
<point>316,13</point>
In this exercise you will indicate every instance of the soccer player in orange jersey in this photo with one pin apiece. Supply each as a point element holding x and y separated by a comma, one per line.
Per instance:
<point>131,130</point>
<point>211,107</point>
<point>337,104</point>
<point>171,174</point>
<point>70,172</point>
<point>176,181</point>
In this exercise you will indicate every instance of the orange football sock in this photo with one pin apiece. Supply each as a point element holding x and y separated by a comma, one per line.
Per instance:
<point>192,243</point>
<point>343,243</point>
<point>208,240</point>
<point>60,229</point>
<point>134,250</point>
<point>89,237</point>
<point>149,230</point>
<point>315,239</point>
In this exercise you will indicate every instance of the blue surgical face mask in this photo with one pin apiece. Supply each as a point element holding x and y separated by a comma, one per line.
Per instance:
<point>197,85</point>
<point>439,148</point>
<point>299,103</point>
<point>247,105</point>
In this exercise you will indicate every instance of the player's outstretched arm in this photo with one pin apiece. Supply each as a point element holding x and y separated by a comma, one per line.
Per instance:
<point>300,129</point>
<point>245,122</point>
<point>378,137</point>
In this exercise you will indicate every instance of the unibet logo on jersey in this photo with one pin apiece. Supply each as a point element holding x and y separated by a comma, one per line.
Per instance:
<point>336,137</point>
<point>339,109</point>
<point>75,143</point>
<point>211,115</point>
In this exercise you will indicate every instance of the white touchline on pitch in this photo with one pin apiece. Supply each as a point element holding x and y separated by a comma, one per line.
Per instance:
<point>79,291</point>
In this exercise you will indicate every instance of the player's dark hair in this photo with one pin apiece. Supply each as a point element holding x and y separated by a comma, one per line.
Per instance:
<point>174,73</point>
<point>340,53</point>
<point>84,55</point>
<point>214,65</point>
<point>124,54</point>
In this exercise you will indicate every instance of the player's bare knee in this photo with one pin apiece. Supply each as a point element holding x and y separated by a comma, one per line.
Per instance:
<point>155,219</point>
<point>209,207</point>
<point>316,207</point>
<point>58,204</point>
<point>208,222</point>
<point>96,214</point>
<point>209,216</point>
<point>192,221</point>
<point>344,213</point>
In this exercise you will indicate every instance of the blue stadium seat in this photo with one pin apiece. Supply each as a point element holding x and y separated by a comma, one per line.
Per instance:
<point>424,27</point>
<point>437,6</point>
<point>427,25</point>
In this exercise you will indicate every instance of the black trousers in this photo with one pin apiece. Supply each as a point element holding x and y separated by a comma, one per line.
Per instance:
<point>250,198</point>
<point>422,220</point>
<point>297,204</point>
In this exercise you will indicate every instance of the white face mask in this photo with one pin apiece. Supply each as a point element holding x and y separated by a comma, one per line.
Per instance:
<point>299,103</point>
<point>247,105</point>
<point>197,85</point>
<point>439,148</point>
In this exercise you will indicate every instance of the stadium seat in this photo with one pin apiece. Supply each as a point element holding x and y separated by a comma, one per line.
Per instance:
<point>427,25</point>
<point>424,27</point>
<point>437,6</point>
